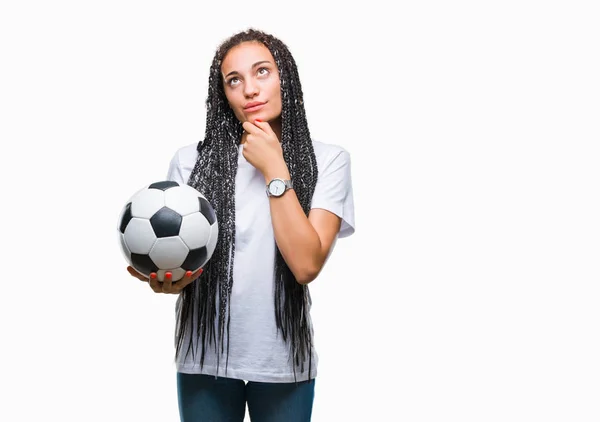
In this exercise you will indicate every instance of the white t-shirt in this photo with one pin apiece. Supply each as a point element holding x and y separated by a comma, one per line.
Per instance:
<point>256,351</point>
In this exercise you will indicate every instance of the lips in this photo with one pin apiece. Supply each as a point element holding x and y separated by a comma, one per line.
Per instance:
<point>253,104</point>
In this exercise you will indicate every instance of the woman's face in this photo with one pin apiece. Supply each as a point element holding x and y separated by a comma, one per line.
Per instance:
<point>250,76</point>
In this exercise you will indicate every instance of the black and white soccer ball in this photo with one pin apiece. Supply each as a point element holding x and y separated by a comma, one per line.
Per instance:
<point>167,227</point>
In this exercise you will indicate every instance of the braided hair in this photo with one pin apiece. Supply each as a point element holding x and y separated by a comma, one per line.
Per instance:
<point>214,176</point>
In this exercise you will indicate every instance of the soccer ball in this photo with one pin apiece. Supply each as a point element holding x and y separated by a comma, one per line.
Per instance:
<point>167,227</point>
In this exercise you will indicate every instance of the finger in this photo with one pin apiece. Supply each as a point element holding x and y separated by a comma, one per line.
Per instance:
<point>265,127</point>
<point>134,273</point>
<point>183,282</point>
<point>167,285</point>
<point>188,278</point>
<point>154,283</point>
<point>251,128</point>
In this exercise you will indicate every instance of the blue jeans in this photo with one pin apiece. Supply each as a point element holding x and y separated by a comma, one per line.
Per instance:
<point>202,398</point>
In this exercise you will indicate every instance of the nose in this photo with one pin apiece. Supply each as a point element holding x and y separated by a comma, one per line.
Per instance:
<point>251,88</point>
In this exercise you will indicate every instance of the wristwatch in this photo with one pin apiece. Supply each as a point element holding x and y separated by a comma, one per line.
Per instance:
<point>278,187</point>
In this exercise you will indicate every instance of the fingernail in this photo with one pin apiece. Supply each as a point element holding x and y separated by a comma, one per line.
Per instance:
<point>152,275</point>
<point>168,275</point>
<point>188,274</point>
<point>201,271</point>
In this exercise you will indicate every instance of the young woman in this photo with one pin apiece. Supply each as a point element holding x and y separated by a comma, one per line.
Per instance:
<point>244,332</point>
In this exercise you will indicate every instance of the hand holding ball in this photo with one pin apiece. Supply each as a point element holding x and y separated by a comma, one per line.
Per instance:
<point>167,227</point>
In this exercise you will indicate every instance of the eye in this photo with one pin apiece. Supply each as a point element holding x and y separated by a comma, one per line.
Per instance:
<point>230,82</point>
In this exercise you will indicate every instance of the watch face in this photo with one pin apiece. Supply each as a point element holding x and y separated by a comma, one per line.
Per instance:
<point>276,187</point>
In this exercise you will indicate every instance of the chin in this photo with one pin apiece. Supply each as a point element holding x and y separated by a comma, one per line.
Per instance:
<point>258,116</point>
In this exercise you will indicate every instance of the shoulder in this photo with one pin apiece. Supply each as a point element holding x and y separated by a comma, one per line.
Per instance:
<point>333,189</point>
<point>326,153</point>
<point>185,156</point>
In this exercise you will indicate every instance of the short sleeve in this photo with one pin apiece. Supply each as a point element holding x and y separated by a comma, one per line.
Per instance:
<point>174,173</point>
<point>333,191</point>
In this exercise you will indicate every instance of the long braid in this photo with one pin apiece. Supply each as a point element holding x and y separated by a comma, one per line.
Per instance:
<point>214,176</point>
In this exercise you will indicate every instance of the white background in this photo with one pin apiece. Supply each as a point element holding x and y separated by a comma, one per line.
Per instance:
<point>470,291</point>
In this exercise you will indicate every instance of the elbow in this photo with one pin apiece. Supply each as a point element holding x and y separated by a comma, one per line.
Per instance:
<point>305,279</point>
<point>308,268</point>
<point>307,274</point>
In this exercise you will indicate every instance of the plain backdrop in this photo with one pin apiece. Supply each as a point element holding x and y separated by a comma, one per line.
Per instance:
<point>470,289</point>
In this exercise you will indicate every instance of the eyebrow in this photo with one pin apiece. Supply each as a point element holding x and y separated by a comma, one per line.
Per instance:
<point>253,66</point>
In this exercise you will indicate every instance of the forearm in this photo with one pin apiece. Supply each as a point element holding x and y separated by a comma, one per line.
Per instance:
<point>295,236</point>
